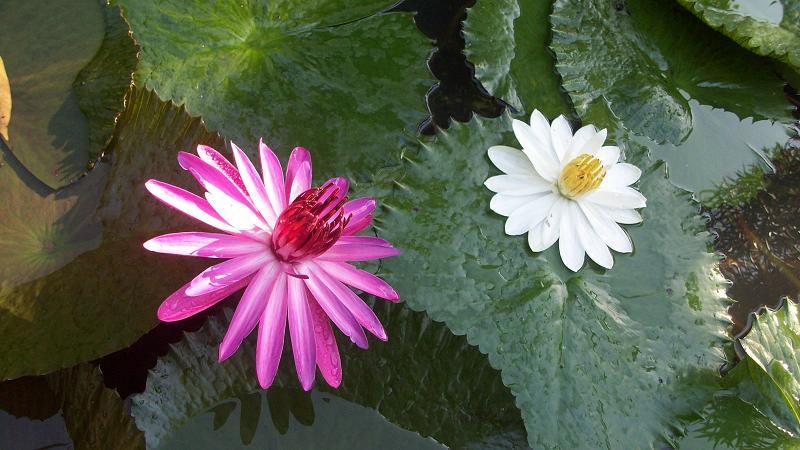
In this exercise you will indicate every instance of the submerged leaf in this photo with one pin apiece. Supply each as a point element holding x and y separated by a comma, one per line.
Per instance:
<point>755,220</point>
<point>411,382</point>
<point>767,28</point>
<point>69,75</point>
<point>75,282</point>
<point>282,70</point>
<point>95,416</point>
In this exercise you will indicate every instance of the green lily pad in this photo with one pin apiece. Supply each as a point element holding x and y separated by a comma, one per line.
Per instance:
<point>424,379</point>
<point>507,41</point>
<point>768,28</point>
<point>772,344</point>
<point>642,61</point>
<point>68,76</point>
<point>595,359</point>
<point>307,73</point>
<point>711,105</point>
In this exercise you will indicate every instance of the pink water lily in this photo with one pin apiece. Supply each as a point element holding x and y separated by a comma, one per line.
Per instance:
<point>289,245</point>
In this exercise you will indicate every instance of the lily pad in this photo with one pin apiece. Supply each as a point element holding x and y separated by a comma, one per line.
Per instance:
<point>773,344</point>
<point>708,110</point>
<point>68,76</point>
<point>410,381</point>
<point>75,282</point>
<point>307,73</point>
<point>595,359</point>
<point>768,28</point>
<point>642,61</point>
<point>507,41</point>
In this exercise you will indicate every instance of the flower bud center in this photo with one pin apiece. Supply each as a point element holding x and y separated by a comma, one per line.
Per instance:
<point>581,175</point>
<point>310,225</point>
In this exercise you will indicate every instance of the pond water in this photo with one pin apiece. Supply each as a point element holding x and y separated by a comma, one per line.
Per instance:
<point>73,233</point>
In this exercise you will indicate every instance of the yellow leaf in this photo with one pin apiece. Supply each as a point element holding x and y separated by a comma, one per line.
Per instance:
<point>5,102</point>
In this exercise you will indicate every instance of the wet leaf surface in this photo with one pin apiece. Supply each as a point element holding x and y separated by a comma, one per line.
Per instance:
<point>643,60</point>
<point>304,74</point>
<point>768,28</point>
<point>69,75</point>
<point>584,354</point>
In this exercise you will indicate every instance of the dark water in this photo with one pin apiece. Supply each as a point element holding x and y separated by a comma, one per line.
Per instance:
<point>760,240</point>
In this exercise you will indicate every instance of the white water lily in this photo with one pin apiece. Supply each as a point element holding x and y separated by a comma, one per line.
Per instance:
<point>567,188</point>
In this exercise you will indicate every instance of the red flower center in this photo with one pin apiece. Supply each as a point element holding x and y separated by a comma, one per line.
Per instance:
<point>310,225</point>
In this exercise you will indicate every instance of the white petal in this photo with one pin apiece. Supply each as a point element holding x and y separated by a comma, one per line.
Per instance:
<point>542,236</point>
<point>578,142</point>
<point>510,160</point>
<point>539,153</point>
<point>518,184</point>
<point>541,127</point>
<point>561,135</point>
<point>612,234</point>
<point>617,197</point>
<point>626,216</point>
<point>595,247</point>
<point>621,174</point>
<point>569,245</point>
<point>506,204</point>
<point>608,155</point>
<point>529,215</point>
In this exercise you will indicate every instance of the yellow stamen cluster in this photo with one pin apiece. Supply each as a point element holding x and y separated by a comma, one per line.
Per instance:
<point>581,175</point>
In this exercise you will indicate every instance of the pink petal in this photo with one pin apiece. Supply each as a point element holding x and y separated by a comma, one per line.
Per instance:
<point>328,360</point>
<point>298,173</point>
<point>221,163</point>
<point>270,334</point>
<point>359,279</point>
<point>255,186</point>
<point>337,312</point>
<point>273,177</point>
<point>249,309</point>
<point>364,240</point>
<point>344,250</point>
<point>189,204</point>
<point>227,272</point>
<point>212,179</point>
<point>360,212</point>
<point>180,305</point>
<point>210,245</point>
<point>341,183</point>
<point>360,310</point>
<point>301,329</point>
